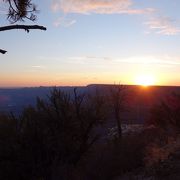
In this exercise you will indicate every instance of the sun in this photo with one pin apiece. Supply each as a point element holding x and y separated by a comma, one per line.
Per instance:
<point>145,80</point>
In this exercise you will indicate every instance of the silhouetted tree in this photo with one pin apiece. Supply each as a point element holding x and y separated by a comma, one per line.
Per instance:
<point>47,140</point>
<point>118,96</point>
<point>19,10</point>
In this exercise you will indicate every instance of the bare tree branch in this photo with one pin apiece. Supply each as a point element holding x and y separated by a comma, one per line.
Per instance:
<point>2,51</point>
<point>25,27</point>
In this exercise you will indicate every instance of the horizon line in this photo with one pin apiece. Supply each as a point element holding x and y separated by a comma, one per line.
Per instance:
<point>95,84</point>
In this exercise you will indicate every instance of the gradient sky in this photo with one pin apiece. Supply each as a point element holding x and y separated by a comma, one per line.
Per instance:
<point>94,41</point>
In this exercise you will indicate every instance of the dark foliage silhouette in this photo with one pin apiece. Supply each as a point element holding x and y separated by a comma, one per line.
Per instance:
<point>46,141</point>
<point>60,138</point>
<point>118,96</point>
<point>166,114</point>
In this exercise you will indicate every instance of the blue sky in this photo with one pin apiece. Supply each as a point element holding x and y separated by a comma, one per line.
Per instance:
<point>94,41</point>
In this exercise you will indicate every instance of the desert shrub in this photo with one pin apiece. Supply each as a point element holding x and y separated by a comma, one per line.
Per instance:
<point>116,158</point>
<point>162,162</point>
<point>166,114</point>
<point>163,137</point>
<point>159,145</point>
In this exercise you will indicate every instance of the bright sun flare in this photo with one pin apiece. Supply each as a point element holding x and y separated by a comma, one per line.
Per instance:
<point>145,80</point>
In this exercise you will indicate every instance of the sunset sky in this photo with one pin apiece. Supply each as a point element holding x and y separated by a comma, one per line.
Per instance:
<point>94,41</point>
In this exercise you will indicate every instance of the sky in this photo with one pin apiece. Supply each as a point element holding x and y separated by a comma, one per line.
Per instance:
<point>94,41</point>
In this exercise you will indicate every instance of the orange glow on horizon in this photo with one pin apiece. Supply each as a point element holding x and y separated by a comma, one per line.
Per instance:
<point>135,78</point>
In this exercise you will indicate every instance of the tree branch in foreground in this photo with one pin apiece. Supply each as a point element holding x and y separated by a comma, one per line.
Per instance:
<point>25,27</point>
<point>2,51</point>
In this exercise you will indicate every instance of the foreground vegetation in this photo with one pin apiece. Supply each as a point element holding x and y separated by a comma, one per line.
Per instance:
<point>60,139</point>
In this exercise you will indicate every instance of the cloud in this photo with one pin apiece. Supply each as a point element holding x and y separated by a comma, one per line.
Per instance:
<point>38,67</point>
<point>88,59</point>
<point>97,7</point>
<point>151,60</point>
<point>65,22</point>
<point>163,25</point>
<point>144,60</point>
